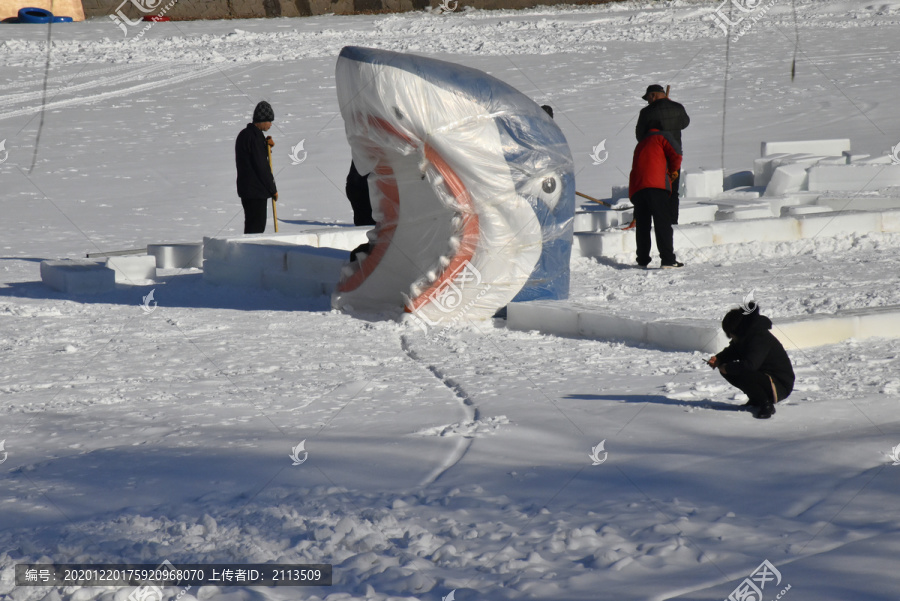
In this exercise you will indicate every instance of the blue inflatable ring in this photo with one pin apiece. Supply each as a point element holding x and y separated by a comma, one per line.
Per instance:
<point>34,15</point>
<point>62,19</point>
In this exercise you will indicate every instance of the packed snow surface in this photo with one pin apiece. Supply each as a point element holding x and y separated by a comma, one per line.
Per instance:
<point>457,460</point>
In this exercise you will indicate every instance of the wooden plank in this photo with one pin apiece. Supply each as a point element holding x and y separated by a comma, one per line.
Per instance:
<point>118,253</point>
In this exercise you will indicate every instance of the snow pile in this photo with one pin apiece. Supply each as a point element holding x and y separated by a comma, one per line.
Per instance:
<point>78,276</point>
<point>794,187</point>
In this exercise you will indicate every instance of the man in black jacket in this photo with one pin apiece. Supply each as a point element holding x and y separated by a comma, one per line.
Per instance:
<point>672,118</point>
<point>255,182</point>
<point>755,361</point>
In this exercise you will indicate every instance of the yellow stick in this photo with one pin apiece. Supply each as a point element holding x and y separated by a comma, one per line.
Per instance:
<point>274,210</point>
<point>592,199</point>
<point>275,215</point>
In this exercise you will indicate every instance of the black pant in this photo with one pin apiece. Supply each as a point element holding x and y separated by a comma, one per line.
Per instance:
<point>675,198</point>
<point>362,210</point>
<point>653,204</point>
<point>357,190</point>
<point>757,386</point>
<point>255,213</point>
<point>362,207</point>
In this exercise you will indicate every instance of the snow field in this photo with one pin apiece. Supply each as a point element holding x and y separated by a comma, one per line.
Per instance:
<point>455,459</point>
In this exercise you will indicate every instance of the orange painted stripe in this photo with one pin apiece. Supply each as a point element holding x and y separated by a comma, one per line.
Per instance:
<point>390,206</point>
<point>470,230</point>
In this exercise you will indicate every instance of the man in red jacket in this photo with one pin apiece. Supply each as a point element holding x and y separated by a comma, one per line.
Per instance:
<point>671,117</point>
<point>657,159</point>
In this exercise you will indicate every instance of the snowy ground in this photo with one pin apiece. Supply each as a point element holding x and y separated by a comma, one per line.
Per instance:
<point>436,462</point>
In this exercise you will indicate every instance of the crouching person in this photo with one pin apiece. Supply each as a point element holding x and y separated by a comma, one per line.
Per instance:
<point>755,361</point>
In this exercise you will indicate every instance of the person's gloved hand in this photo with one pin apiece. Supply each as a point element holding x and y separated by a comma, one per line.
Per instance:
<point>712,361</point>
<point>275,197</point>
<point>270,141</point>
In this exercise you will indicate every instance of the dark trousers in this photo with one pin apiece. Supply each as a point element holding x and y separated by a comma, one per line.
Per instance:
<point>255,213</point>
<point>362,212</point>
<point>758,387</point>
<point>653,205</point>
<point>675,198</point>
<point>357,190</point>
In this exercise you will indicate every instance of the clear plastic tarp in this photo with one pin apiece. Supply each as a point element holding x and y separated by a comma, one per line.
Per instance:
<point>471,183</point>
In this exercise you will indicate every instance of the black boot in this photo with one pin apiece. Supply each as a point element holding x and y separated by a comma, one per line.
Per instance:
<point>766,411</point>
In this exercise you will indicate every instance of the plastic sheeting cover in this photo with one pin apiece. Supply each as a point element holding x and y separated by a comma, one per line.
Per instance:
<point>471,183</point>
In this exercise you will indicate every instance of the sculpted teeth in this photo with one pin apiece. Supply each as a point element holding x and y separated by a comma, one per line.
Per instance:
<point>456,223</point>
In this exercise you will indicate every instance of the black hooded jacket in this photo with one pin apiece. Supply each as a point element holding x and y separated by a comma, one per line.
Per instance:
<point>754,348</point>
<point>251,155</point>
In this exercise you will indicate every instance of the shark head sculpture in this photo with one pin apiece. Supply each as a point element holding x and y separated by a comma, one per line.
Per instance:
<point>472,187</point>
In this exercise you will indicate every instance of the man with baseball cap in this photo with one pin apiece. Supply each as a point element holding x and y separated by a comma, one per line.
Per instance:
<point>255,181</point>
<point>672,118</point>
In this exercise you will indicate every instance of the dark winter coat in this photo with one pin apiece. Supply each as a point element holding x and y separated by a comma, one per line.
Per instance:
<point>655,157</point>
<point>357,189</point>
<point>754,348</point>
<point>671,116</point>
<point>251,154</point>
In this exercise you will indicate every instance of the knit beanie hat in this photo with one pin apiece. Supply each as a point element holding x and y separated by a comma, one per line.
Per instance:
<point>263,112</point>
<point>738,319</point>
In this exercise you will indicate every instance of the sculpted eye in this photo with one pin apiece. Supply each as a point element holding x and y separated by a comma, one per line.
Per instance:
<point>547,188</point>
